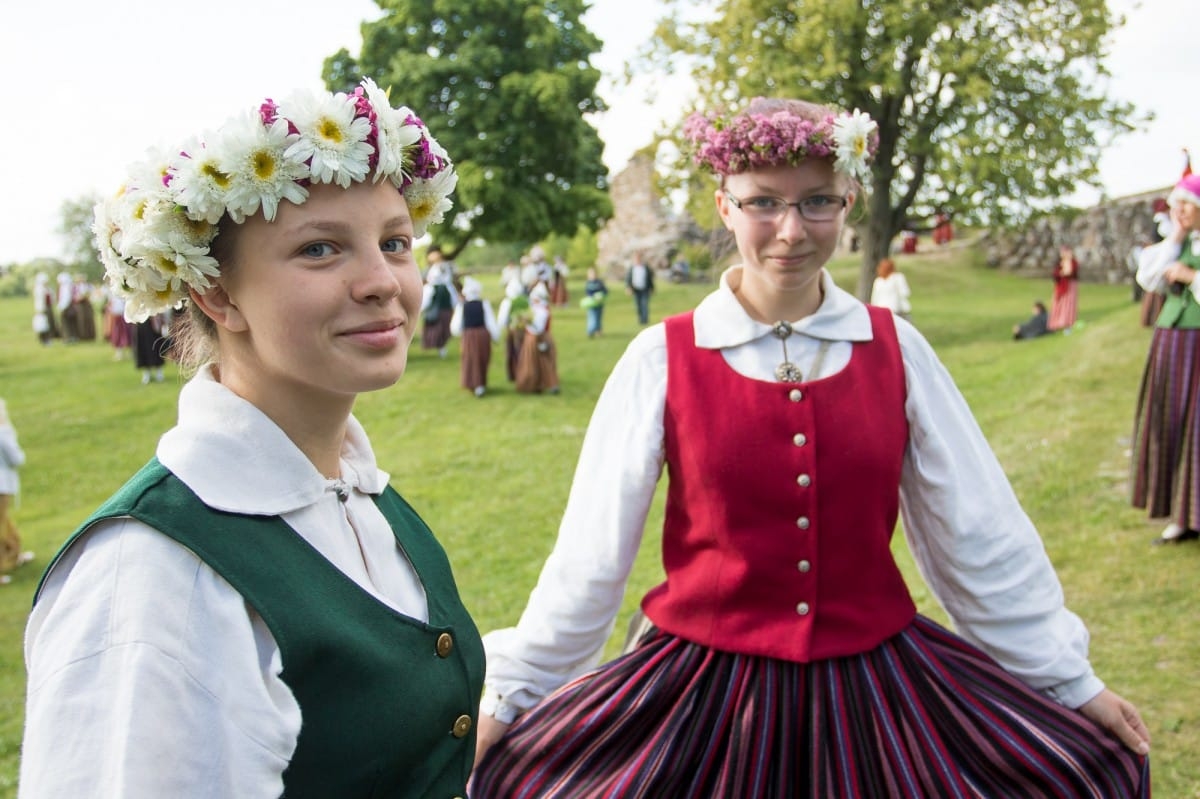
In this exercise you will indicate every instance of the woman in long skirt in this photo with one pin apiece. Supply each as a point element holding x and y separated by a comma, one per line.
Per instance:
<point>1064,309</point>
<point>475,323</point>
<point>1166,431</point>
<point>785,657</point>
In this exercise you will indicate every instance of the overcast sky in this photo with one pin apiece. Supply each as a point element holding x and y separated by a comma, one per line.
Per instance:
<point>87,85</point>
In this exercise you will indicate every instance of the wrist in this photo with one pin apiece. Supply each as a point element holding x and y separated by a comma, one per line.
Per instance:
<point>494,705</point>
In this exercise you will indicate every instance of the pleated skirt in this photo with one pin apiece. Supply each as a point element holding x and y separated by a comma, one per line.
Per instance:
<point>925,714</point>
<point>476,356</point>
<point>435,334</point>
<point>537,364</point>
<point>1064,310</point>
<point>1165,461</point>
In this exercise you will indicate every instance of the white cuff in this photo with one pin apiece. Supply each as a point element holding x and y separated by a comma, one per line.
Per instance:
<point>494,705</point>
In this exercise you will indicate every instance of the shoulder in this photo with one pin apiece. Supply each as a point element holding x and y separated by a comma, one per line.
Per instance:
<point>123,583</point>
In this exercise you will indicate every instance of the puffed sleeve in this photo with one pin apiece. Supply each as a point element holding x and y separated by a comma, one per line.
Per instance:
<point>974,544</point>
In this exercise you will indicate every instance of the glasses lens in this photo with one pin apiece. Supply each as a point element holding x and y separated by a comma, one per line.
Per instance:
<point>821,208</point>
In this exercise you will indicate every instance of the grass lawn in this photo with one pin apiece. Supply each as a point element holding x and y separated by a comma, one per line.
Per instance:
<point>491,475</point>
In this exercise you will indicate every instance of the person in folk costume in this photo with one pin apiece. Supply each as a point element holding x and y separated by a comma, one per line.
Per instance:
<point>1166,430</point>
<point>1064,305</point>
<point>150,347</point>
<point>12,458</point>
<point>257,613</point>
<point>438,301</point>
<point>537,362</point>
<point>120,332</point>
<point>512,317</point>
<point>890,289</point>
<point>475,323</point>
<point>66,308</point>
<point>558,289</point>
<point>540,268</point>
<point>44,323</point>
<point>784,655</point>
<point>943,229</point>
<point>82,308</point>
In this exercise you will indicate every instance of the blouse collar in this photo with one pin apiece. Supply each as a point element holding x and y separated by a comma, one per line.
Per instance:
<point>236,459</point>
<point>721,321</point>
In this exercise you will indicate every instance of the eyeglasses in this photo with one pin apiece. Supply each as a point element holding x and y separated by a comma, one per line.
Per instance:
<point>764,208</point>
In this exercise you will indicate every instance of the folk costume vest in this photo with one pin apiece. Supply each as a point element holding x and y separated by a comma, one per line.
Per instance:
<point>781,503</point>
<point>1182,310</point>
<point>472,314</point>
<point>388,703</point>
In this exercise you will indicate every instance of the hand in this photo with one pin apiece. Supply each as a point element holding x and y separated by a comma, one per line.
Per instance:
<point>1120,718</point>
<point>1179,272</point>
<point>488,733</point>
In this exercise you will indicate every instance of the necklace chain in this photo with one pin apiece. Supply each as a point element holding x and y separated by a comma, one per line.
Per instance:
<point>786,372</point>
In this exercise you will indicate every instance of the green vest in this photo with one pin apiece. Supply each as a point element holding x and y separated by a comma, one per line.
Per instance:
<point>1181,310</point>
<point>388,704</point>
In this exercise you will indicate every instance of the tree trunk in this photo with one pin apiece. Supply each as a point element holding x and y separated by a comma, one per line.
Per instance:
<point>876,233</point>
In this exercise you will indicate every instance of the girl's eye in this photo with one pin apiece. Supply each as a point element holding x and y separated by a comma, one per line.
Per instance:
<point>395,245</point>
<point>764,203</point>
<point>318,249</point>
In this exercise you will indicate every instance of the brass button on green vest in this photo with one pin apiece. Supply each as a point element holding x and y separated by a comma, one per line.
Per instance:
<point>445,644</point>
<point>462,726</point>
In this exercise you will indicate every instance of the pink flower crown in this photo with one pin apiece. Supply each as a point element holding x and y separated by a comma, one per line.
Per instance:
<point>728,145</point>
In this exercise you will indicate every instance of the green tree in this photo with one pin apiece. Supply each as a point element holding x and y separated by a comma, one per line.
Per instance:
<point>75,228</point>
<point>504,85</point>
<point>989,109</point>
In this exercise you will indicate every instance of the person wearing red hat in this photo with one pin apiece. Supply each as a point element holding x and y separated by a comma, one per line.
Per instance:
<point>1166,438</point>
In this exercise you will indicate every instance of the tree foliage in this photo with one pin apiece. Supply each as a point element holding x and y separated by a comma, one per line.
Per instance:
<point>986,108</point>
<point>75,229</point>
<point>504,85</point>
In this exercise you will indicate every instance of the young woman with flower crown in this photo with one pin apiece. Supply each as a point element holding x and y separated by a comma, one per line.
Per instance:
<point>256,611</point>
<point>785,657</point>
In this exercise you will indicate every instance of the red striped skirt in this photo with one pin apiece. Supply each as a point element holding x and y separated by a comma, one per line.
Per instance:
<point>1166,429</point>
<point>925,714</point>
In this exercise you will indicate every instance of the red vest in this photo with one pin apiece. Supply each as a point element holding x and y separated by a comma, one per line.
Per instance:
<point>781,503</point>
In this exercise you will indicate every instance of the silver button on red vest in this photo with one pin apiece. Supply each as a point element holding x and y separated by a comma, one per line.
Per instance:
<point>796,395</point>
<point>799,439</point>
<point>802,609</point>
<point>802,522</point>
<point>804,565</point>
<point>804,481</point>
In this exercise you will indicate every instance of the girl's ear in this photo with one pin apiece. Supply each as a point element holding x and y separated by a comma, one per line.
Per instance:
<point>723,206</point>
<point>218,306</point>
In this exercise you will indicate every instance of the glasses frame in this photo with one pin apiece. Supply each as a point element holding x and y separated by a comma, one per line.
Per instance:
<point>782,209</point>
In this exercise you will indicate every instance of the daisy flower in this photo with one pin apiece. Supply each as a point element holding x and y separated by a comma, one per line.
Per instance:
<point>429,199</point>
<point>395,136</point>
<point>332,139</point>
<point>200,184</point>
<point>254,156</point>
<point>852,139</point>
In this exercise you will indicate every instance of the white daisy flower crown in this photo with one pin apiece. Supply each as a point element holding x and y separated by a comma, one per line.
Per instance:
<point>155,234</point>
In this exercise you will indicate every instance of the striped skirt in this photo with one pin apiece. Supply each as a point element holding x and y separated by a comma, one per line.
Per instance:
<point>1166,430</point>
<point>923,715</point>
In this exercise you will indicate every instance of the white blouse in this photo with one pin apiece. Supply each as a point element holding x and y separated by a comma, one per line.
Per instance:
<point>1154,260</point>
<point>148,674</point>
<point>974,545</point>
